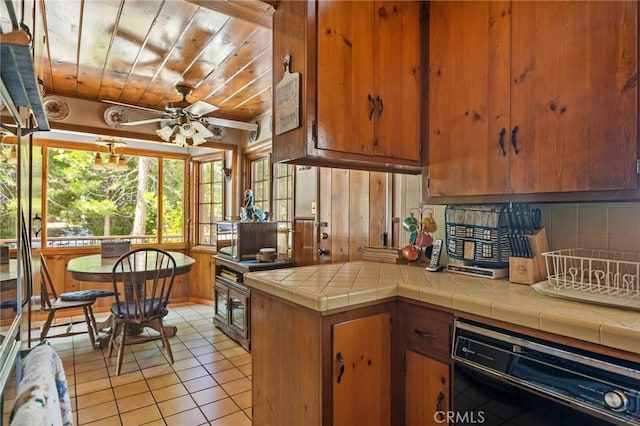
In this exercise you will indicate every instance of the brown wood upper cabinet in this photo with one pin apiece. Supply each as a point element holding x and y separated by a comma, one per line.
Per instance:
<point>532,97</point>
<point>361,72</point>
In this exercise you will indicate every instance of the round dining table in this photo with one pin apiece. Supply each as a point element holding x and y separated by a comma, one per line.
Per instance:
<point>9,275</point>
<point>96,268</point>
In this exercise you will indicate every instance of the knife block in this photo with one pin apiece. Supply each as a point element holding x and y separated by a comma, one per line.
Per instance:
<point>523,270</point>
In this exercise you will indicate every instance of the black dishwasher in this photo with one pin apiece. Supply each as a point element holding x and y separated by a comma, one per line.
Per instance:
<point>506,378</point>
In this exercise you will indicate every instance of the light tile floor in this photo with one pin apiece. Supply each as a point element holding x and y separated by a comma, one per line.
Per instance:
<point>209,382</point>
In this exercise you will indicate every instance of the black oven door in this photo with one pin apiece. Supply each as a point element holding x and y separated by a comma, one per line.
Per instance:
<point>481,398</point>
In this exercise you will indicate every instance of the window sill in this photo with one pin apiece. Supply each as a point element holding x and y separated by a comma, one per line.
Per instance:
<point>204,249</point>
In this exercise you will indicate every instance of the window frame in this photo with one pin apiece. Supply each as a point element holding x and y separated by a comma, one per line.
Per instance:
<point>197,168</point>
<point>45,144</point>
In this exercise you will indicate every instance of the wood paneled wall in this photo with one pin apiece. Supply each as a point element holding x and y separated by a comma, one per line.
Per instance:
<point>201,277</point>
<point>353,204</point>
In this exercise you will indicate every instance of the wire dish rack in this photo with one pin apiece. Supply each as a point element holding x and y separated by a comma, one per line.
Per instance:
<point>596,276</point>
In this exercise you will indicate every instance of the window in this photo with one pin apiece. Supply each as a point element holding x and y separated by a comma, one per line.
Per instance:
<point>172,200</point>
<point>283,204</point>
<point>260,183</point>
<point>210,200</point>
<point>85,205</point>
<point>8,197</point>
<point>283,193</point>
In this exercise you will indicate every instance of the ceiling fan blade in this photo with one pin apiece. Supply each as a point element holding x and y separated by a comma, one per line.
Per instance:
<point>168,122</point>
<point>200,108</point>
<point>139,122</point>
<point>133,106</point>
<point>252,127</point>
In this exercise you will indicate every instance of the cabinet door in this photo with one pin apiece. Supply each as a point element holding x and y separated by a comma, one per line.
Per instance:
<point>398,76</point>
<point>345,76</point>
<point>362,371</point>
<point>221,294</point>
<point>468,98</point>
<point>574,96</point>
<point>426,391</point>
<point>238,312</point>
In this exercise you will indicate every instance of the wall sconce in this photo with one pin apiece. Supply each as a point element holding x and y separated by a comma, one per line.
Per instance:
<point>227,173</point>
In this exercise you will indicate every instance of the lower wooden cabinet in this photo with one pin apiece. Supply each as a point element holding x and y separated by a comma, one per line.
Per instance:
<point>362,371</point>
<point>426,344</point>
<point>349,366</point>
<point>427,390</point>
<point>231,301</point>
<point>310,368</point>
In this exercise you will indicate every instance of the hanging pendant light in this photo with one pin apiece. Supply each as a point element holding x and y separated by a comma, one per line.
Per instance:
<point>115,160</point>
<point>97,162</point>
<point>122,162</point>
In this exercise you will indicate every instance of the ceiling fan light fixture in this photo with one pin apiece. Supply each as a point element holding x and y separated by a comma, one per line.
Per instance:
<point>165,133</point>
<point>187,130</point>
<point>201,129</point>
<point>198,139</point>
<point>179,139</point>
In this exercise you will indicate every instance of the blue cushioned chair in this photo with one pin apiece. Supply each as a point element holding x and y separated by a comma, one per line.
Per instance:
<point>51,303</point>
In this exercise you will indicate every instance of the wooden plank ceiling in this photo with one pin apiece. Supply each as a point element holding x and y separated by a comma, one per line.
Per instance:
<point>137,51</point>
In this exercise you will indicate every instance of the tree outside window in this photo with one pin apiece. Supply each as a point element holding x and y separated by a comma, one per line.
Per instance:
<point>83,202</point>
<point>8,197</point>
<point>261,183</point>
<point>210,200</point>
<point>173,200</point>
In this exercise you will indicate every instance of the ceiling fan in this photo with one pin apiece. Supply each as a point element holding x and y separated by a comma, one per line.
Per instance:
<point>189,117</point>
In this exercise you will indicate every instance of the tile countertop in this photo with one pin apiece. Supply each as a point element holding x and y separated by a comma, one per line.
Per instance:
<point>327,287</point>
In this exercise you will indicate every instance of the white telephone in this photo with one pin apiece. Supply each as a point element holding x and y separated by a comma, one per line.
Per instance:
<point>434,264</point>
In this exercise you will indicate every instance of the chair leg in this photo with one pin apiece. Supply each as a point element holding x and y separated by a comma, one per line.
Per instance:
<point>47,325</point>
<point>165,341</point>
<point>94,324</point>
<point>87,316</point>
<point>112,339</point>
<point>123,336</point>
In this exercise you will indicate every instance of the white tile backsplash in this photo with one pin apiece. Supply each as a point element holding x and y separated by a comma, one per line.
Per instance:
<point>606,226</point>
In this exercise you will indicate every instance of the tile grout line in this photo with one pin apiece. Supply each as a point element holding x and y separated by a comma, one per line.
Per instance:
<point>146,379</point>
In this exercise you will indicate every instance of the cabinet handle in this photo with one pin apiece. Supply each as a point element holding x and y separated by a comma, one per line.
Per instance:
<point>380,106</point>
<point>372,106</point>
<point>340,360</point>
<point>501,141</point>
<point>439,413</point>
<point>514,141</point>
<point>425,334</point>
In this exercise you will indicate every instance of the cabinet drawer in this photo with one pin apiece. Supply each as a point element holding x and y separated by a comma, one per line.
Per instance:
<point>427,333</point>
